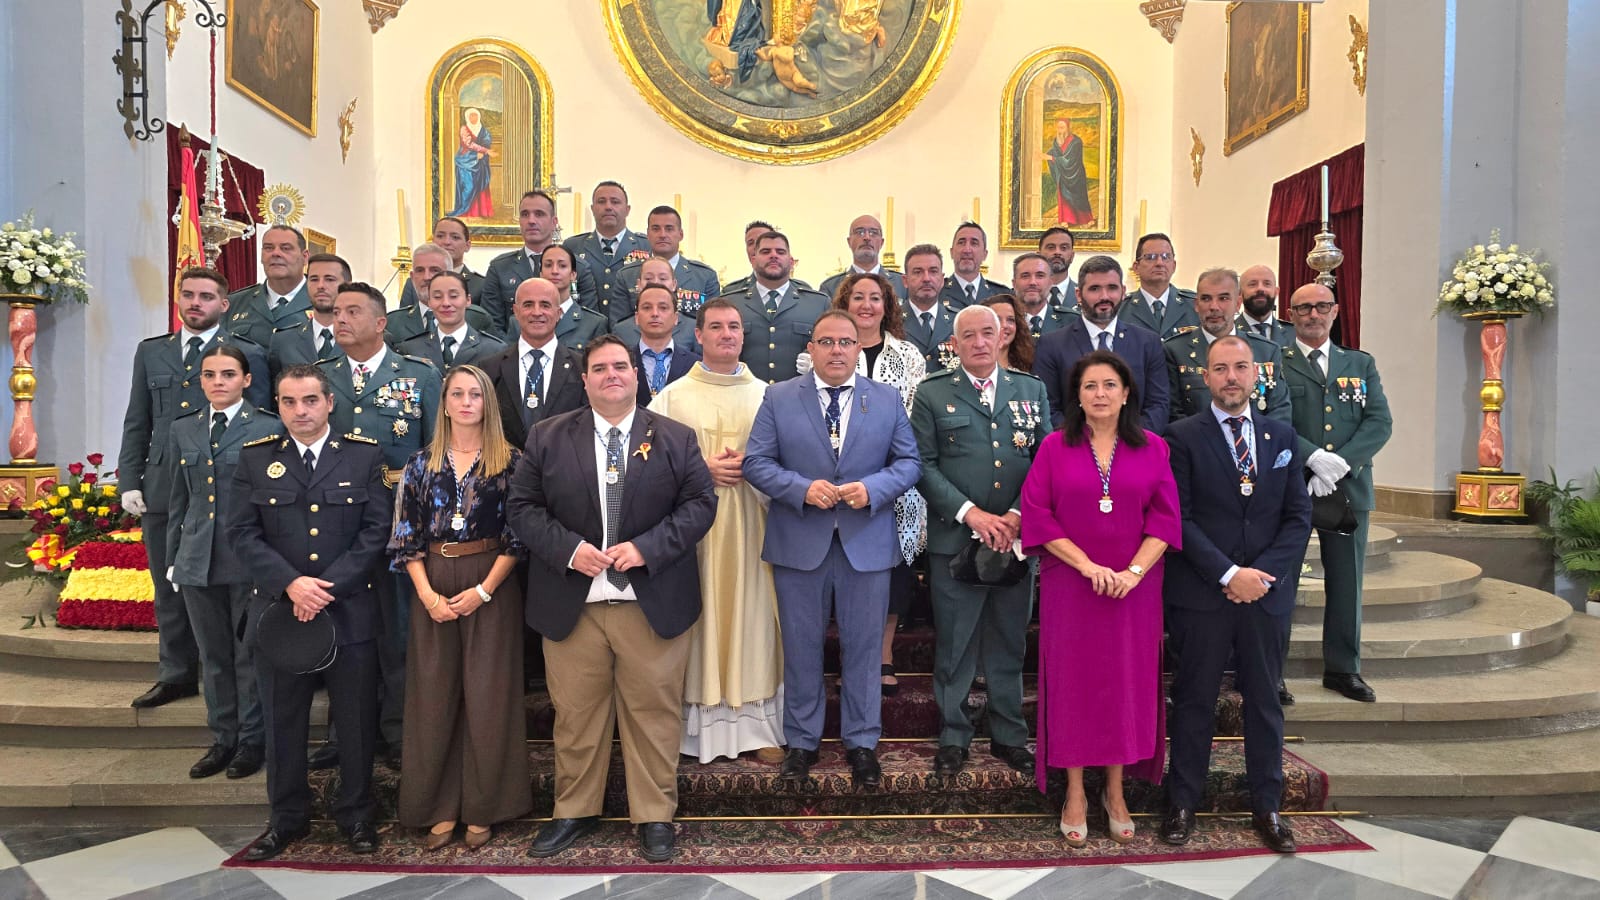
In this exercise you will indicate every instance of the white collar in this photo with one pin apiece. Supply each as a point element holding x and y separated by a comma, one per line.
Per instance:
<point>460,334</point>
<point>676,258</point>
<point>1223,415</point>
<point>204,336</point>
<point>993,376</point>
<point>566,305</point>
<point>549,348</point>
<point>619,237</point>
<point>1210,339</point>
<point>230,412</point>
<point>964,284</point>
<point>666,351</point>
<point>762,290</point>
<point>371,364</point>
<point>1094,330</point>
<point>1165,297</point>
<point>1253,321</point>
<point>875,270</point>
<point>273,296</point>
<point>315,446</point>
<point>601,426</point>
<point>1306,348</point>
<point>823,385</point>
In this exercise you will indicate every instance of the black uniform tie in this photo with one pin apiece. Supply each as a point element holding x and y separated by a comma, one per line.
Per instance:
<point>614,463</point>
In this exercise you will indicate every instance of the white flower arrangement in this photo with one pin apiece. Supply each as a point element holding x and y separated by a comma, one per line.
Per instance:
<point>1493,278</point>
<point>40,262</point>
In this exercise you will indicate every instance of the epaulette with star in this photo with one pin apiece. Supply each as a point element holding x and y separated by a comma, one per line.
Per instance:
<point>360,439</point>
<point>263,440</point>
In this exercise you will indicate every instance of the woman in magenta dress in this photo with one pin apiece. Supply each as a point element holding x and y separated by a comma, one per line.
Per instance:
<point>1100,507</point>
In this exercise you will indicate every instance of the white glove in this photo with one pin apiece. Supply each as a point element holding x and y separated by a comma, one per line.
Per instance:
<point>1319,486</point>
<point>1331,466</point>
<point>171,576</point>
<point>133,501</point>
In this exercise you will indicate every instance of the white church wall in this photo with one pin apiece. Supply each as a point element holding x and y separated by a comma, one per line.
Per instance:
<point>1223,221</point>
<point>339,195</point>
<point>941,156</point>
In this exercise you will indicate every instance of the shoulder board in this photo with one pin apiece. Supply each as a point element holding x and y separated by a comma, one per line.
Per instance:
<point>509,254</point>
<point>417,359</point>
<point>1182,336</point>
<point>1183,293</point>
<point>1028,375</point>
<point>815,293</point>
<point>263,440</point>
<point>160,337</point>
<point>361,439</point>
<point>1004,288</point>
<point>1362,353</point>
<point>697,263</point>
<point>262,413</point>
<point>229,337</point>
<point>935,376</point>
<point>331,361</point>
<point>1185,329</point>
<point>801,284</point>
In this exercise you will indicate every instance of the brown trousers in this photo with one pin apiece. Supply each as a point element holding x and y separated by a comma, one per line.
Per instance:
<point>614,671</point>
<point>465,746</point>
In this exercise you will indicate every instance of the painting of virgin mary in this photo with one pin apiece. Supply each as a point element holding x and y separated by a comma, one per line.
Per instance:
<point>475,144</point>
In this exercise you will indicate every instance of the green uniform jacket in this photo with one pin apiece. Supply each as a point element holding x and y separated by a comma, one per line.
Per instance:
<point>1278,331</point>
<point>830,285</point>
<point>953,295</point>
<point>578,326</point>
<point>740,285</point>
<point>771,343</point>
<point>697,283</point>
<point>296,346</point>
<point>475,347</point>
<point>408,322</point>
<point>1186,365</point>
<point>611,297</point>
<point>1052,318</point>
<point>408,294</point>
<point>197,546</point>
<point>395,407</point>
<point>972,454</point>
<point>499,291</point>
<point>1348,415</point>
<point>249,318</point>
<point>1179,317</point>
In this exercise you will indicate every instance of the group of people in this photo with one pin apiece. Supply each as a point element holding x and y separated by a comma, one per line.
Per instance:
<point>676,485</point>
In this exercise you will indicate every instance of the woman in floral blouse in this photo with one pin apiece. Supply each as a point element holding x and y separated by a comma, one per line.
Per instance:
<point>464,659</point>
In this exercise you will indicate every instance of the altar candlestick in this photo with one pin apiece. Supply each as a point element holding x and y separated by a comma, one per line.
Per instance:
<point>405,230</point>
<point>975,217</point>
<point>1144,219</point>
<point>677,203</point>
<point>888,223</point>
<point>577,212</point>
<point>1324,195</point>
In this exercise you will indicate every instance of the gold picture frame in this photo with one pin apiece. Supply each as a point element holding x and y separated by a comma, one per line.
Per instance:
<point>1049,87</point>
<point>782,82</point>
<point>266,57</point>
<point>319,242</point>
<point>477,171</point>
<point>1267,78</point>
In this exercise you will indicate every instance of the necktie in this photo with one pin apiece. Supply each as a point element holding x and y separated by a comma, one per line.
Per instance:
<point>927,322</point>
<point>449,350</point>
<point>279,304</point>
<point>193,356</point>
<point>657,377</point>
<point>1161,310</point>
<point>1033,324</point>
<point>1264,330</point>
<point>608,246</point>
<point>972,295</point>
<point>219,424</point>
<point>835,422</point>
<point>983,392</point>
<point>325,351</point>
<point>1316,364</point>
<point>1055,296</point>
<point>1105,340</point>
<point>772,303</point>
<point>431,323</point>
<point>1241,447</point>
<point>614,500</point>
<point>535,383</point>
<point>310,461</point>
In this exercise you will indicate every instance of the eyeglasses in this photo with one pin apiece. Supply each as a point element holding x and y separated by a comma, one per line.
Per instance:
<point>1322,308</point>
<point>830,343</point>
<point>1152,257</point>
<point>867,232</point>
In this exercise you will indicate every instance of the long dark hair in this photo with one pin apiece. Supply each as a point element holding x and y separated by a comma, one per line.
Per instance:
<point>1019,355</point>
<point>1074,423</point>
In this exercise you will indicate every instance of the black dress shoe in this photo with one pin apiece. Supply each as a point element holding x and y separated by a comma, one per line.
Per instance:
<point>1274,832</point>
<point>215,760</point>
<point>557,835</point>
<point>1284,697</point>
<point>274,842</point>
<point>887,671</point>
<point>324,757</point>
<point>797,764</point>
<point>361,838</point>
<point>949,760</point>
<point>163,693</point>
<point>864,769</point>
<point>247,761</point>
<point>1349,685</point>
<point>656,840</point>
<point>1177,826</point>
<point>1016,757</point>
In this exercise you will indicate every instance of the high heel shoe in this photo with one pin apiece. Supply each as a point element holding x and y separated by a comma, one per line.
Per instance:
<point>434,840</point>
<point>1077,836</point>
<point>1121,832</point>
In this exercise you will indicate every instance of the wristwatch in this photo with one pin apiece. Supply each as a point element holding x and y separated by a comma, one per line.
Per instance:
<point>483,595</point>
<point>1136,569</point>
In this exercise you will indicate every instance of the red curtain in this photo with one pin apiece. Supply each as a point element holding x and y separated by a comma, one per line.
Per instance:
<point>1294,218</point>
<point>242,187</point>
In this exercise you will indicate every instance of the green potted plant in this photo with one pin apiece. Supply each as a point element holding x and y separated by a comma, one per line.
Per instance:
<point>1575,529</point>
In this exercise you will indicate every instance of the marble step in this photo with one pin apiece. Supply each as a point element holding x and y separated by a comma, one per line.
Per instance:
<point>1555,695</point>
<point>1381,542</point>
<point>1507,625</point>
<point>70,652</point>
<point>1492,776</point>
<point>1415,585</point>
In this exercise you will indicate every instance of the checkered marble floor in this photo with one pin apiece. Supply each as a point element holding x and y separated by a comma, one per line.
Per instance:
<point>1525,858</point>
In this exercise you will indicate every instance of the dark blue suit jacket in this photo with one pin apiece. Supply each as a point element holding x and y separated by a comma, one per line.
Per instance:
<point>1058,351</point>
<point>1221,528</point>
<point>683,359</point>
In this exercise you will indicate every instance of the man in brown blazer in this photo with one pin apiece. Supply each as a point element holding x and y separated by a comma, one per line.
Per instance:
<point>611,502</point>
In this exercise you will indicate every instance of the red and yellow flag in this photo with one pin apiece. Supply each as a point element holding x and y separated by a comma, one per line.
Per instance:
<point>190,248</point>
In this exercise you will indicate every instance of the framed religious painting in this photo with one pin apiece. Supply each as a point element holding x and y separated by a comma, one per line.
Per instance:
<point>320,242</point>
<point>782,81</point>
<point>1061,151</point>
<point>271,57</point>
<point>489,137</point>
<point>1268,79</point>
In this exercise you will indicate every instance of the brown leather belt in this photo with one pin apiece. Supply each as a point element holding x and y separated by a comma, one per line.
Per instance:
<point>456,549</point>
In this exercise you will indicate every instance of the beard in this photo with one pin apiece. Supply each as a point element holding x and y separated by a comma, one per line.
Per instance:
<point>1259,305</point>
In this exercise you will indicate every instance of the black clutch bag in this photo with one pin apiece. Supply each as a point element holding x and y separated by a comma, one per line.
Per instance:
<point>979,564</point>
<point>1333,512</point>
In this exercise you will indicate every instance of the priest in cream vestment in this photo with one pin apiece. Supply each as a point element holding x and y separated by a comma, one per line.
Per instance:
<point>733,693</point>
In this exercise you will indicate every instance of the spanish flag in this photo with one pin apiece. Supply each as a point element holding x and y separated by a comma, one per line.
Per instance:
<point>190,249</point>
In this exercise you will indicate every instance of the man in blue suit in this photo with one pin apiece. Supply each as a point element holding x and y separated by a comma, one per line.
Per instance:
<point>1229,593</point>
<point>831,533</point>
<point>657,355</point>
<point>1098,328</point>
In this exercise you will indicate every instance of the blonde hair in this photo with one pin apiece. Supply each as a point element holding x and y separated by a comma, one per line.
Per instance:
<point>496,454</point>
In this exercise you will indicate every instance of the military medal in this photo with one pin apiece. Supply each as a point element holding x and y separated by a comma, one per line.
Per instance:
<point>1105,475</point>
<point>401,426</point>
<point>1019,440</point>
<point>276,470</point>
<point>533,401</point>
<point>1246,488</point>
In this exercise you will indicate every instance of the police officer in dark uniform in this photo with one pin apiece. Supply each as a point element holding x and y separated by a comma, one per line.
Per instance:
<point>311,515</point>
<point>604,251</point>
<point>166,385</point>
<point>658,272</point>
<point>280,301</point>
<point>536,219</point>
<point>578,324</point>
<point>1030,277</point>
<point>777,314</point>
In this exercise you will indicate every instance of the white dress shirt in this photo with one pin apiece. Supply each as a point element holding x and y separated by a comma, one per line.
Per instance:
<point>601,589</point>
<point>370,364</point>
<point>523,349</point>
<point>273,296</point>
<point>460,334</point>
<point>762,291</point>
<point>1166,297</point>
<point>204,336</point>
<point>1249,431</point>
<point>846,398</point>
<point>1321,363</point>
<point>1095,330</point>
<point>315,446</point>
<point>230,412</point>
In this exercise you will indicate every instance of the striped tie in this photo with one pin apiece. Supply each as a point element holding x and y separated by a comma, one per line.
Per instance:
<point>614,463</point>
<point>1241,447</point>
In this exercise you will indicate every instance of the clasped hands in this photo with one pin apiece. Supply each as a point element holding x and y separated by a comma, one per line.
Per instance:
<point>727,467</point>
<point>826,494</point>
<point>309,595</point>
<point>591,561</point>
<point>1247,585</point>
<point>1326,470</point>
<point>998,533</point>
<point>1109,583</point>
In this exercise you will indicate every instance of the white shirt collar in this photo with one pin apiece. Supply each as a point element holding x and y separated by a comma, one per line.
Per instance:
<point>964,284</point>
<point>566,305</point>
<point>1305,348</point>
<point>762,291</point>
<point>1166,295</point>
<point>204,336</point>
<point>664,350</point>
<point>601,426</point>
<point>1223,415</point>
<point>230,412</point>
<point>875,270</point>
<point>315,447</point>
<point>460,334</point>
<point>823,385</point>
<point>549,348</point>
<point>1254,321</point>
<point>620,237</point>
<point>1210,339</point>
<point>673,262</point>
<point>273,297</point>
<point>974,379</point>
<point>1094,330</point>
<point>373,363</point>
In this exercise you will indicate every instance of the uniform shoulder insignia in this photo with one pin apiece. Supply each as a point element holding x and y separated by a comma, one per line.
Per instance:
<point>1180,337</point>
<point>361,439</point>
<point>265,414</point>
<point>1028,375</point>
<point>263,440</point>
<point>416,359</point>
<point>1184,329</point>
<point>159,337</point>
<point>331,361</point>
<point>698,264</point>
<point>935,376</point>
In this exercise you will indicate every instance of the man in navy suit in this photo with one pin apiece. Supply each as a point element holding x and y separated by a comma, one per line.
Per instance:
<point>1098,328</point>
<point>1229,593</point>
<point>831,533</point>
<point>657,355</point>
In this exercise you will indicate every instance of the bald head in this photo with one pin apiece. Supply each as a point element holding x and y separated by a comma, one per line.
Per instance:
<point>1258,291</point>
<point>865,240</point>
<point>537,308</point>
<point>1312,308</point>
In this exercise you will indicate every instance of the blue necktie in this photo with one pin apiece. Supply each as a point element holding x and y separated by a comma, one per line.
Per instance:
<point>1105,340</point>
<point>658,373</point>
<point>535,374</point>
<point>834,417</point>
<point>1241,447</point>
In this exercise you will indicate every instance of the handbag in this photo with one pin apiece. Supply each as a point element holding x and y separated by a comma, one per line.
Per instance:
<point>1333,512</point>
<point>979,564</point>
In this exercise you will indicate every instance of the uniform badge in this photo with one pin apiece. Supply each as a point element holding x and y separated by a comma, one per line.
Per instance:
<point>1019,440</point>
<point>949,407</point>
<point>276,470</point>
<point>401,426</point>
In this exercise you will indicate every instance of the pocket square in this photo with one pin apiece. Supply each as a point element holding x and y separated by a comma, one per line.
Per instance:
<point>1283,459</point>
